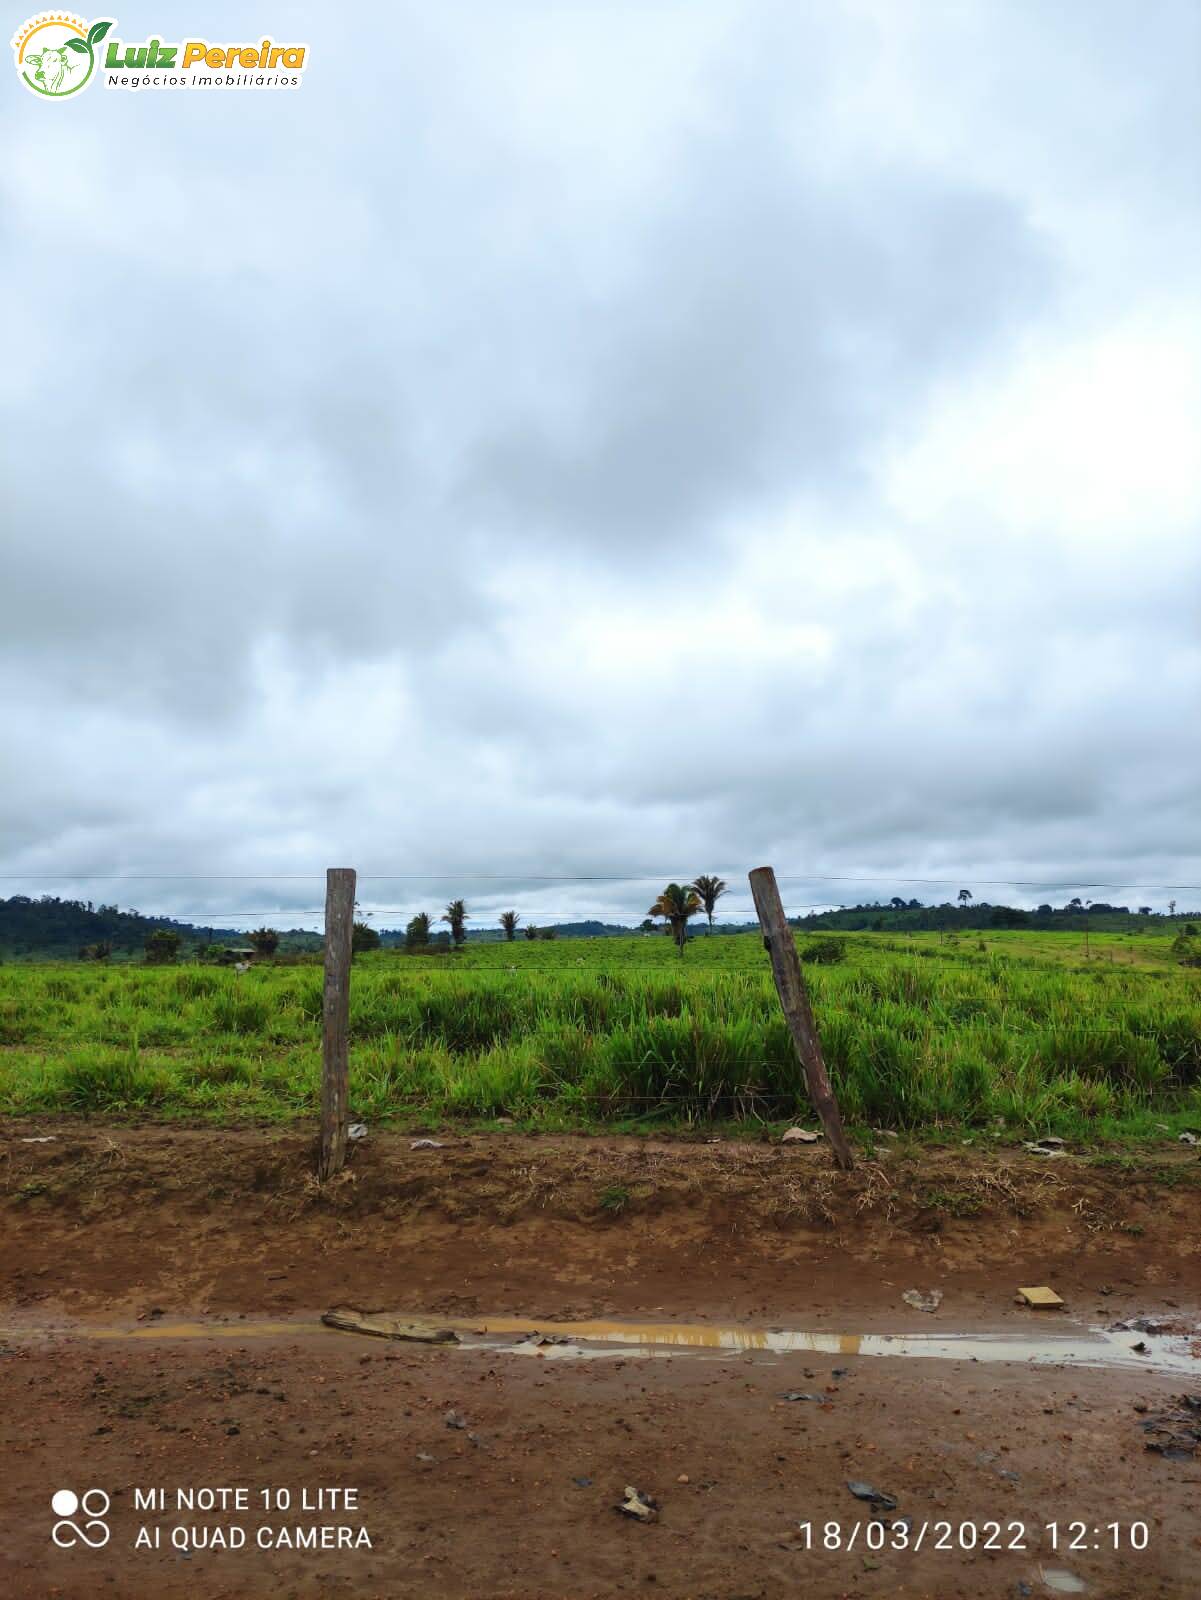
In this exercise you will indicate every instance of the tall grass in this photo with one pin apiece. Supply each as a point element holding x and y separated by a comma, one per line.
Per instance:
<point>916,1035</point>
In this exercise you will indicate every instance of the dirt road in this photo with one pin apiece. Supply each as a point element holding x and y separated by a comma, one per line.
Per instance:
<point>162,1291</point>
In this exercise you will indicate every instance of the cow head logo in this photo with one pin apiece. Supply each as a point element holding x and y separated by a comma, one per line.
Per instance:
<point>56,53</point>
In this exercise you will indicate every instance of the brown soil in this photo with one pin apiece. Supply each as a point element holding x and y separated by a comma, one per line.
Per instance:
<point>132,1227</point>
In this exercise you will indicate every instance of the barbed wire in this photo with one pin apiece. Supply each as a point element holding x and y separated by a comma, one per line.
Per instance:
<point>450,875</point>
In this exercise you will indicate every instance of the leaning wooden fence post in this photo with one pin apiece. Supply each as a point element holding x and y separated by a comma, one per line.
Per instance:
<point>794,998</point>
<point>335,1019</point>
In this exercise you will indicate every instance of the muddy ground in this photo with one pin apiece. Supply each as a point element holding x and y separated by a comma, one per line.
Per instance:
<point>112,1230</point>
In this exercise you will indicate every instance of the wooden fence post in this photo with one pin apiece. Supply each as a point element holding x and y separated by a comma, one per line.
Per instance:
<point>335,1019</point>
<point>794,998</point>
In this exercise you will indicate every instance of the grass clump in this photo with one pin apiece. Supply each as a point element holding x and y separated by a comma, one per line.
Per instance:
<point>918,1034</point>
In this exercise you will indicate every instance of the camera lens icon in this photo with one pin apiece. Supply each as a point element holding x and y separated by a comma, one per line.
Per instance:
<point>93,1504</point>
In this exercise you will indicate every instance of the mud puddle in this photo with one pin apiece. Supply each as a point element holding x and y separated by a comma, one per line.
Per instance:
<point>1093,1346</point>
<point>1088,1347</point>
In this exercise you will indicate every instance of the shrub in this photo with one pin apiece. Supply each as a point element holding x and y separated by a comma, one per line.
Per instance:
<point>825,952</point>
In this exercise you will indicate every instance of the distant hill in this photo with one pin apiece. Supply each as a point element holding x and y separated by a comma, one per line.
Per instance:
<point>49,927</point>
<point>896,916</point>
<point>62,928</point>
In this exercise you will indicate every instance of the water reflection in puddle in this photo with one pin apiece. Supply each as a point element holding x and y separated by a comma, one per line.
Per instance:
<point>1089,1347</point>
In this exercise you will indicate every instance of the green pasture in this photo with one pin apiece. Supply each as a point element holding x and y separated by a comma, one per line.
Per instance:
<point>1005,1032</point>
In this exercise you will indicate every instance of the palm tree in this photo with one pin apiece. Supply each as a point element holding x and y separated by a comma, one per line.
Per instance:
<point>677,905</point>
<point>417,933</point>
<point>456,915</point>
<point>710,891</point>
<point>964,896</point>
<point>509,921</point>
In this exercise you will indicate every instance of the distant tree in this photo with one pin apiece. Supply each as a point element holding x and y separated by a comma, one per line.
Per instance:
<point>1009,917</point>
<point>265,941</point>
<point>646,925</point>
<point>100,951</point>
<point>1144,911</point>
<point>1075,904</point>
<point>1045,910</point>
<point>417,931</point>
<point>509,921</point>
<point>897,903</point>
<point>531,930</point>
<point>456,915</point>
<point>548,933</point>
<point>363,937</point>
<point>710,891</point>
<point>162,946</point>
<point>676,905</point>
<point>1171,908</point>
<point>964,896</point>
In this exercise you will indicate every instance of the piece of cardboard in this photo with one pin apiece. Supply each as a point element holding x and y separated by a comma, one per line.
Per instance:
<point>1041,1297</point>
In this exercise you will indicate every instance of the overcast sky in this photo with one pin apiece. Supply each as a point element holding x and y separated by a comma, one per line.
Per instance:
<point>620,439</point>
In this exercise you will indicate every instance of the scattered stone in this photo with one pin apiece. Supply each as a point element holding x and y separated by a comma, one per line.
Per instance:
<point>1140,1325</point>
<point>452,1419</point>
<point>642,1507</point>
<point>923,1302</point>
<point>582,1483</point>
<point>426,1144</point>
<point>876,1497</point>
<point>683,1478</point>
<point>1044,1147</point>
<point>1176,1434</point>
<point>39,1138</point>
<point>800,1136</point>
<point>800,1394</point>
<point>357,1130</point>
<point>1190,1138</point>
<point>1061,1580</point>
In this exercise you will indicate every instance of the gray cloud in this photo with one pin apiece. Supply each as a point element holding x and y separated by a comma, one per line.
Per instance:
<point>611,441</point>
